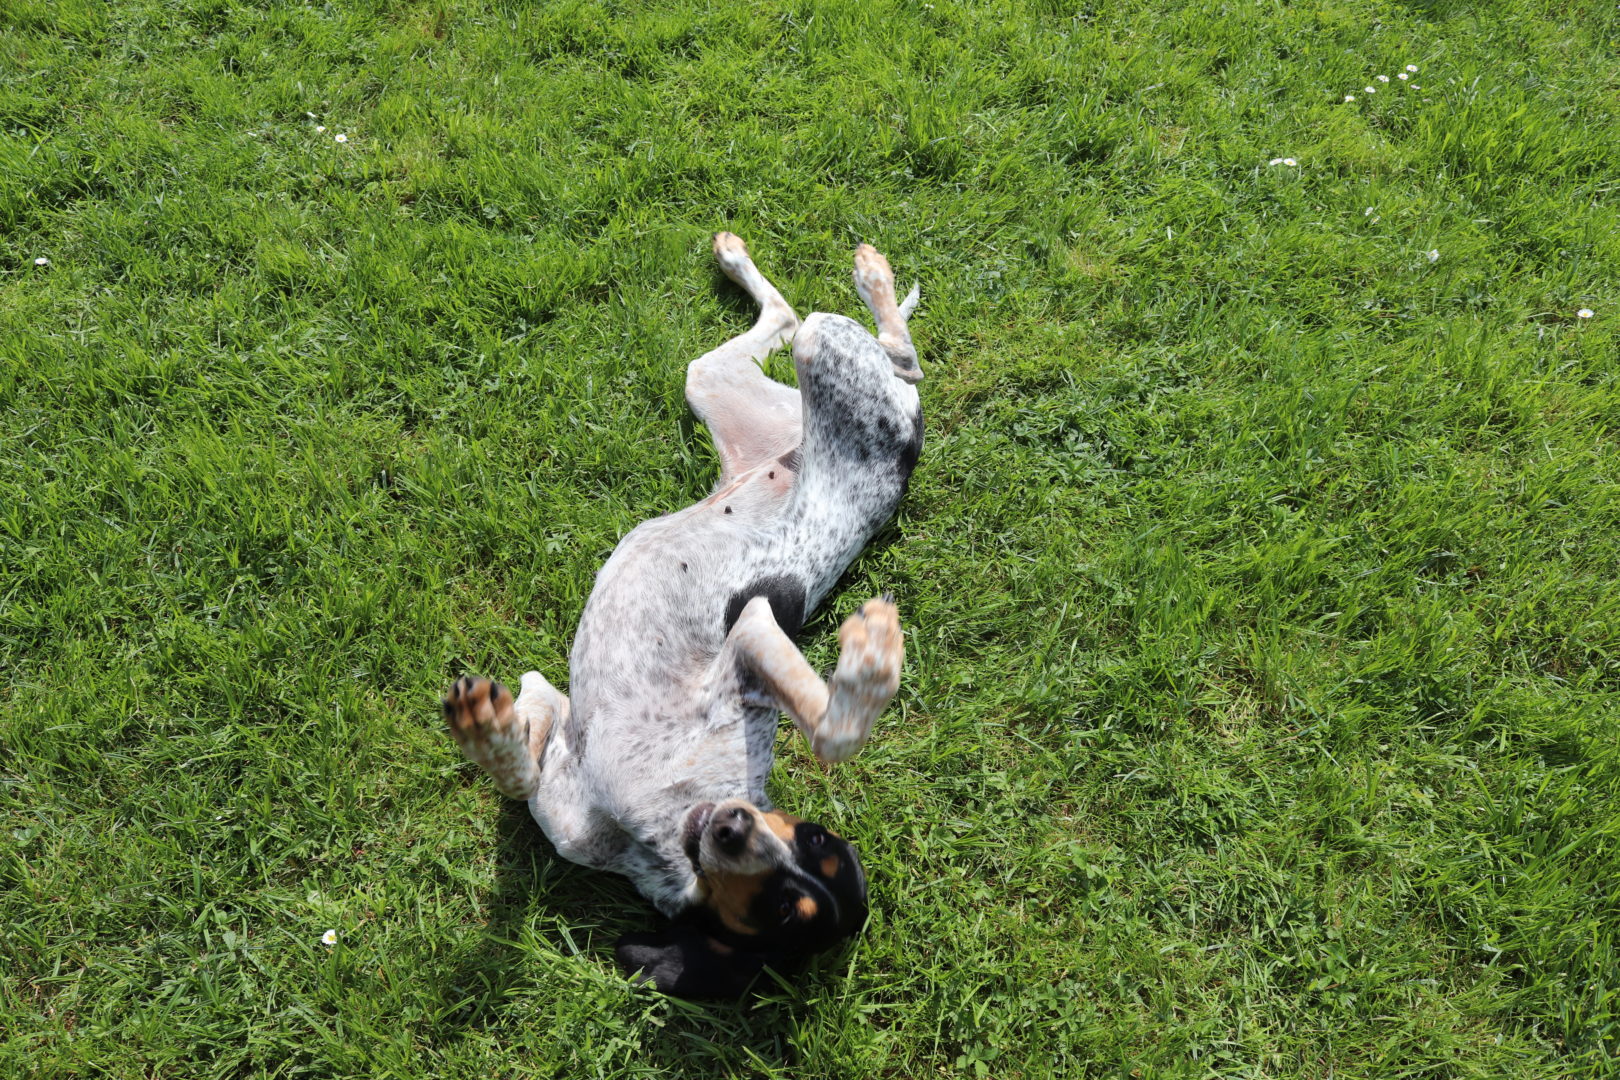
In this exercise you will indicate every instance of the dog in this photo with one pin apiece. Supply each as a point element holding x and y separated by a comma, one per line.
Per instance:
<point>684,658</point>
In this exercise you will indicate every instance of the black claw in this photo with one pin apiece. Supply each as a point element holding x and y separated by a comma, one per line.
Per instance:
<point>449,709</point>
<point>888,598</point>
<point>466,684</point>
<point>495,689</point>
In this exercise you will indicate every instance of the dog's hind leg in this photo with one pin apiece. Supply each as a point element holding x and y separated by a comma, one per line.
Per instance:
<point>506,736</point>
<point>874,280</point>
<point>751,417</point>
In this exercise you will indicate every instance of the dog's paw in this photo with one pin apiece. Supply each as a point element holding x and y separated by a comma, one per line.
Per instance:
<point>872,648</point>
<point>484,721</point>
<point>873,276</point>
<point>731,253</point>
<point>874,280</point>
<point>871,652</point>
<point>480,711</point>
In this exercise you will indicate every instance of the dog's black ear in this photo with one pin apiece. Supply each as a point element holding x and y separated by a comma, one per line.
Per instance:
<point>687,962</point>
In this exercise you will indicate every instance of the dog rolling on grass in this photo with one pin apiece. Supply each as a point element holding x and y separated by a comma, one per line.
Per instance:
<point>654,767</point>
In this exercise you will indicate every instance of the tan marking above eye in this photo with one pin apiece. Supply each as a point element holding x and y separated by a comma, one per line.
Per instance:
<point>830,865</point>
<point>782,825</point>
<point>807,908</point>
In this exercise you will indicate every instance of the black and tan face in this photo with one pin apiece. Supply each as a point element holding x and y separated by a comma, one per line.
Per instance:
<point>776,891</point>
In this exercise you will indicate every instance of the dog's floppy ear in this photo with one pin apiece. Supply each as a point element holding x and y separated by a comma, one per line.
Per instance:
<point>687,962</point>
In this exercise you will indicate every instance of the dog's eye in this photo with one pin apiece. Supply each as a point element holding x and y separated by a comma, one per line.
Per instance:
<point>816,839</point>
<point>786,908</point>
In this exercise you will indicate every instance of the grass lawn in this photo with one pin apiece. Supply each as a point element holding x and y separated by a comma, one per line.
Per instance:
<point>1260,717</point>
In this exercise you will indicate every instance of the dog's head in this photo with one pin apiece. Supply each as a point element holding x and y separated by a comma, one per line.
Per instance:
<point>775,891</point>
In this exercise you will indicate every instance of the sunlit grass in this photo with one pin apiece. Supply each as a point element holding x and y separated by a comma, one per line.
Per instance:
<point>1260,569</point>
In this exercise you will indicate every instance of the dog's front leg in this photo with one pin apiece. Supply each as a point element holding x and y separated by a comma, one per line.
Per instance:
<point>835,717</point>
<point>506,736</point>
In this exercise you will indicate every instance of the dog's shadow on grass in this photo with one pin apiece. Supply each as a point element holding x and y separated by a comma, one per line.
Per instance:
<point>580,913</point>
<point>528,874</point>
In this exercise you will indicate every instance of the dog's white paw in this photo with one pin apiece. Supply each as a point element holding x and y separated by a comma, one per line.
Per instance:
<point>485,723</point>
<point>874,278</point>
<point>871,652</point>
<point>732,255</point>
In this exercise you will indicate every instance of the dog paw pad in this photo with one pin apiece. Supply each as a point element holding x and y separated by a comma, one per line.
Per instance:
<point>481,711</point>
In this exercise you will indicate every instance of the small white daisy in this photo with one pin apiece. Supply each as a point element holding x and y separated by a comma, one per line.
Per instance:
<point>1403,76</point>
<point>1290,162</point>
<point>1416,87</point>
<point>319,128</point>
<point>329,938</point>
<point>1275,161</point>
<point>1349,97</point>
<point>1584,313</point>
<point>1369,90</point>
<point>1367,212</point>
<point>42,261</point>
<point>1434,254</point>
<point>1383,78</point>
<point>310,115</point>
<point>340,138</point>
<point>1412,68</point>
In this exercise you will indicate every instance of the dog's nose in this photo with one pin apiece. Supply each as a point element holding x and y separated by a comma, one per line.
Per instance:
<point>731,830</point>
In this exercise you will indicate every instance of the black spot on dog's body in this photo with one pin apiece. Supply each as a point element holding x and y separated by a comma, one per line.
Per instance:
<point>911,449</point>
<point>790,460</point>
<point>786,595</point>
<point>751,685</point>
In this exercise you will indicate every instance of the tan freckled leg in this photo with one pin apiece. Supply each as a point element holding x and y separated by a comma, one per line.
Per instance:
<point>752,418</point>
<point>837,718</point>
<point>791,680</point>
<point>874,280</point>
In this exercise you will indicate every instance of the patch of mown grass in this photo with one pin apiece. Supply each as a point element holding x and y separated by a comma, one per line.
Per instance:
<point>1260,710</point>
